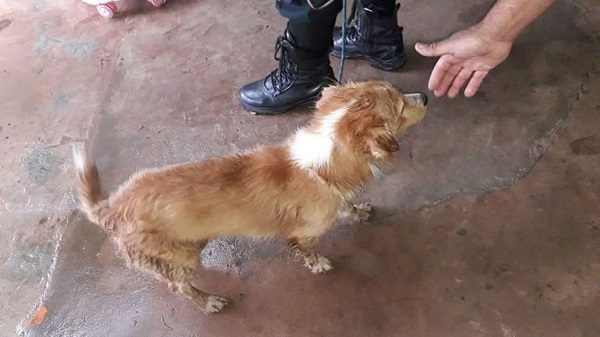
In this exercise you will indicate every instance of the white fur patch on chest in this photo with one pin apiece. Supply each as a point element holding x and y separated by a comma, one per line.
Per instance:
<point>313,149</point>
<point>310,150</point>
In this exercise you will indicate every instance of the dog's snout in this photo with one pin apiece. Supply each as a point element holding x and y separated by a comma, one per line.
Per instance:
<point>421,97</point>
<point>424,98</point>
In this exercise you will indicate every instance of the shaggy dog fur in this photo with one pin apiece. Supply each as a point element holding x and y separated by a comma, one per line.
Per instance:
<point>161,218</point>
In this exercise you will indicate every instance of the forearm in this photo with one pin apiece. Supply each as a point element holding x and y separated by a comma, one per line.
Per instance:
<point>509,17</point>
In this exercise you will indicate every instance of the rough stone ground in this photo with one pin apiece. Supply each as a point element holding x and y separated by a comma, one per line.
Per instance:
<point>487,222</point>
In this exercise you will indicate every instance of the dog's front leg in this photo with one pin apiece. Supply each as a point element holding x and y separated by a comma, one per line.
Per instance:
<point>315,262</point>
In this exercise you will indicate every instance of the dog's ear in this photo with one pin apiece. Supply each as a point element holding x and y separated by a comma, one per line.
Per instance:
<point>381,143</point>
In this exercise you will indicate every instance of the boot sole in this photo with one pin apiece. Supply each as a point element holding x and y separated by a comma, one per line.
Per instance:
<point>280,110</point>
<point>372,62</point>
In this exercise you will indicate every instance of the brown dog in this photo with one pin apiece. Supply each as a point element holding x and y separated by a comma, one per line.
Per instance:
<point>160,218</point>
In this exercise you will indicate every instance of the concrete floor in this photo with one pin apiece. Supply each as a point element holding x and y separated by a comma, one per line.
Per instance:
<point>486,224</point>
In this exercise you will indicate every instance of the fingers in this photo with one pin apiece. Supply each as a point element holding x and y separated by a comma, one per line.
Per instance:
<point>442,66</point>
<point>459,82</point>
<point>475,82</point>
<point>434,49</point>
<point>450,78</point>
<point>447,80</point>
<point>449,74</point>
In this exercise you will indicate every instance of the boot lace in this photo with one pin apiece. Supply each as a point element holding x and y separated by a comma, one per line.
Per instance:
<point>282,77</point>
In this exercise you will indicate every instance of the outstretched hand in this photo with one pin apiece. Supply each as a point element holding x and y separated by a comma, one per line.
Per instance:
<point>466,56</point>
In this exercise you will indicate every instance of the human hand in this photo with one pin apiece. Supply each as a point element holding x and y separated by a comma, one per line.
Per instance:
<point>467,55</point>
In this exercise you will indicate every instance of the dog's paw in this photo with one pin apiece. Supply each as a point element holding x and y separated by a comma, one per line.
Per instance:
<point>215,304</point>
<point>318,264</point>
<point>362,212</point>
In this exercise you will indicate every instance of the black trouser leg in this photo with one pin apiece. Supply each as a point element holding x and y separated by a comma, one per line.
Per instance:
<point>301,10</point>
<point>313,38</point>
<point>311,28</point>
<point>303,57</point>
<point>373,34</point>
<point>382,7</point>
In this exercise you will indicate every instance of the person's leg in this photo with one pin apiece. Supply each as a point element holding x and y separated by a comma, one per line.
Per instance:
<point>312,39</point>
<point>309,21</point>
<point>373,34</point>
<point>382,7</point>
<point>304,68</point>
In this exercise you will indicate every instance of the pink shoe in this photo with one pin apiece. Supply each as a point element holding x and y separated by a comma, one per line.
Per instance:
<point>107,10</point>
<point>157,3</point>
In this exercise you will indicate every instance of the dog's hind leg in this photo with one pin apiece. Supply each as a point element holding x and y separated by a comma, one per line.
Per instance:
<point>303,248</point>
<point>210,303</point>
<point>173,262</point>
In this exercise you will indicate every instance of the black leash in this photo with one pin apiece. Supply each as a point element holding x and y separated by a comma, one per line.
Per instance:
<point>344,19</point>
<point>342,55</point>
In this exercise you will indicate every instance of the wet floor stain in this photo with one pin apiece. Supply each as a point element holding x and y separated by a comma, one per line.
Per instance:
<point>61,100</point>
<point>45,40</point>
<point>4,23</point>
<point>40,165</point>
<point>38,6</point>
<point>80,49</point>
<point>28,263</point>
<point>586,146</point>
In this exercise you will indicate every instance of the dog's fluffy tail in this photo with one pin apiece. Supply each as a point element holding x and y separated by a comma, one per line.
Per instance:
<point>88,182</point>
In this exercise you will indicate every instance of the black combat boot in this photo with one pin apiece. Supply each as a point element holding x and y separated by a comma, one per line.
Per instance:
<point>298,80</point>
<point>374,35</point>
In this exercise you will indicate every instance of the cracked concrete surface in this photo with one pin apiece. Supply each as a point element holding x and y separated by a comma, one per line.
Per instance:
<point>486,222</point>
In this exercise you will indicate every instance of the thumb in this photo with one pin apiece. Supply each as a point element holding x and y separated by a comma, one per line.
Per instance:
<point>434,49</point>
